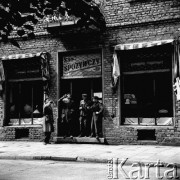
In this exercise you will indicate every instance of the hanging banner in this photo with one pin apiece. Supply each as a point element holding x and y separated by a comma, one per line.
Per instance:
<point>116,69</point>
<point>176,85</point>
<point>83,65</point>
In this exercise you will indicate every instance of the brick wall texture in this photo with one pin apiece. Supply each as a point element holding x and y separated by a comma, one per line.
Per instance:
<point>127,21</point>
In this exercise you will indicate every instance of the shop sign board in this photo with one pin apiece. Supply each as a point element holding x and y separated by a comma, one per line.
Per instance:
<point>82,65</point>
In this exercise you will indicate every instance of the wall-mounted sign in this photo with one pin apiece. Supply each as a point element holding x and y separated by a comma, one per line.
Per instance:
<point>146,62</point>
<point>82,65</point>
<point>141,66</point>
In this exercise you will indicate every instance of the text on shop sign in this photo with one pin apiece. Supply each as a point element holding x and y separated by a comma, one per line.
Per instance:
<point>80,62</point>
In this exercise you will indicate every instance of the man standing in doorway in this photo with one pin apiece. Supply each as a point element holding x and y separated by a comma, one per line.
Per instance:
<point>85,115</point>
<point>67,115</point>
<point>48,120</point>
<point>97,109</point>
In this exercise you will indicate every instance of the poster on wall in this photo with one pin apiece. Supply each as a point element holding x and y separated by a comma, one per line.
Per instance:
<point>82,65</point>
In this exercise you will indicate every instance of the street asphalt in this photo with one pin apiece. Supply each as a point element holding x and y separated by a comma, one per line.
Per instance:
<point>95,153</point>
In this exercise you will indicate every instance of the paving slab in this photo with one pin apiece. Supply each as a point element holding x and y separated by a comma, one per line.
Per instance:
<point>97,153</point>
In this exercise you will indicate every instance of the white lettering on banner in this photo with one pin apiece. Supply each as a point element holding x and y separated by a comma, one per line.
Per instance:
<point>176,87</point>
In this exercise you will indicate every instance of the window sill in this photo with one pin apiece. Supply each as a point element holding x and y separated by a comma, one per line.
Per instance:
<point>149,142</point>
<point>26,122</point>
<point>148,127</point>
<point>24,125</point>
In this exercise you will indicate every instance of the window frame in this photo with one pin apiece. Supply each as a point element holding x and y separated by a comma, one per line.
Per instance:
<point>32,84</point>
<point>121,98</point>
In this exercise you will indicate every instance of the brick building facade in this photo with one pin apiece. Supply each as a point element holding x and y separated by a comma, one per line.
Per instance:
<point>132,115</point>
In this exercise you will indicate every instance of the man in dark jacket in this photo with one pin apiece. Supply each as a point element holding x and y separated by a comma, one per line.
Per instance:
<point>48,120</point>
<point>85,115</point>
<point>97,109</point>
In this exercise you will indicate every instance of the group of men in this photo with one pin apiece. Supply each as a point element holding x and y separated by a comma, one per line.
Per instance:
<point>90,115</point>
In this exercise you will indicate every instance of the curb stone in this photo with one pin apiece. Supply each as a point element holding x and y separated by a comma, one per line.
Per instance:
<point>39,158</point>
<point>92,160</point>
<point>78,159</point>
<point>63,158</point>
<point>127,162</point>
<point>17,157</point>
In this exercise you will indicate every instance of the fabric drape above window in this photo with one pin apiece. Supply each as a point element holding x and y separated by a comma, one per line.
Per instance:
<point>32,58</point>
<point>130,46</point>
<point>21,56</point>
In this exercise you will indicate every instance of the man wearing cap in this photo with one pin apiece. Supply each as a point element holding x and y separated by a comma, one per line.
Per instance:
<point>48,127</point>
<point>85,115</point>
<point>97,109</point>
<point>67,115</point>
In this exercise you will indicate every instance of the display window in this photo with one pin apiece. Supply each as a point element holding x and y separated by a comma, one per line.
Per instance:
<point>25,102</point>
<point>25,87</point>
<point>146,86</point>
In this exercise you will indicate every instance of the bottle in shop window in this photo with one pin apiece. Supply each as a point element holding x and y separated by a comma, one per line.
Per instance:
<point>27,109</point>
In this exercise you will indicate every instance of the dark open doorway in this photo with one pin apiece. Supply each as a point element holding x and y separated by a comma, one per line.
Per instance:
<point>77,87</point>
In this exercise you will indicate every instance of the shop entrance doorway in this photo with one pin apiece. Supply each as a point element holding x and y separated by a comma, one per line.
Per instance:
<point>77,87</point>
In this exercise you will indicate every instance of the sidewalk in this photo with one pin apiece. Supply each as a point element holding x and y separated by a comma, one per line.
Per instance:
<point>88,152</point>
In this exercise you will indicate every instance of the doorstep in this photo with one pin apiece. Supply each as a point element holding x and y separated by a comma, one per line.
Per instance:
<point>147,142</point>
<point>79,140</point>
